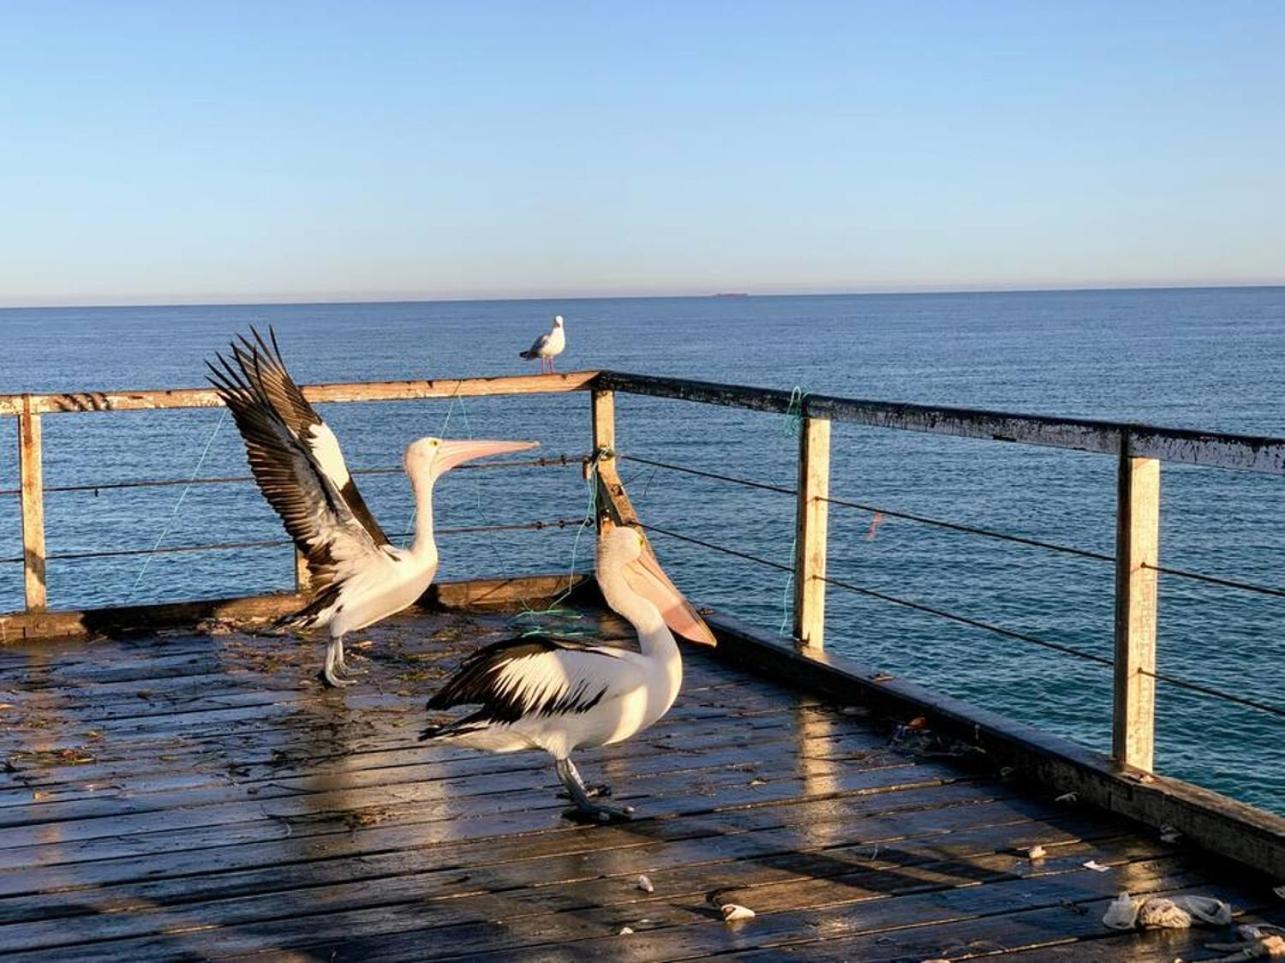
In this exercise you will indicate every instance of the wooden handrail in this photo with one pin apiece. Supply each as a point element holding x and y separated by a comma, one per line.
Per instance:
<point>1259,453</point>
<point>348,391</point>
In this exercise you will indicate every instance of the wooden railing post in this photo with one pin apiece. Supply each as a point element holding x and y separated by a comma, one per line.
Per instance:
<point>811,522</point>
<point>604,438</point>
<point>33,508</point>
<point>1137,550</point>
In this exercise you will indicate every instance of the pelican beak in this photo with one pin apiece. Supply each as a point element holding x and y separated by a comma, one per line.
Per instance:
<point>648,579</point>
<point>452,454</point>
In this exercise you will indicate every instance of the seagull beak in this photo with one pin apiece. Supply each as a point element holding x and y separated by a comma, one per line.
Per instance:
<point>452,454</point>
<point>648,579</point>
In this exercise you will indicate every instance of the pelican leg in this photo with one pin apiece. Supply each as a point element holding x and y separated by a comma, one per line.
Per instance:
<point>334,651</point>
<point>600,791</point>
<point>342,664</point>
<point>585,809</point>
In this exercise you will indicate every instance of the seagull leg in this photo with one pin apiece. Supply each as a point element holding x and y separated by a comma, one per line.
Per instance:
<point>334,652</point>
<point>585,809</point>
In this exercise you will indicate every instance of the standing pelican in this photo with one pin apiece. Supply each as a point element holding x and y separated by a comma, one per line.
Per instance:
<point>559,695</point>
<point>547,346</point>
<point>358,576</point>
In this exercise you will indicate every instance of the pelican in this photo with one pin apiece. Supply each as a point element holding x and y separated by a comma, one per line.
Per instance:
<point>559,695</point>
<point>358,575</point>
<point>547,346</point>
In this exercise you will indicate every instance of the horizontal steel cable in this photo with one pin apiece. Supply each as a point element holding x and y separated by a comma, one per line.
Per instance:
<point>940,613</point>
<point>891,513</point>
<point>965,620</point>
<point>554,461</point>
<point>976,623</point>
<point>972,530</point>
<point>1216,693</point>
<point>1217,580</point>
<point>282,542</point>
<point>748,483</point>
<point>719,548</point>
<point>966,529</point>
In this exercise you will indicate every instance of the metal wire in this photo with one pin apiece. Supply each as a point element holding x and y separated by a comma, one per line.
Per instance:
<point>1216,693</point>
<point>281,542</point>
<point>719,548</point>
<point>973,530</point>
<point>1217,580</point>
<point>748,483</point>
<point>965,620</point>
<point>872,593</point>
<point>978,624</point>
<point>891,513</point>
<point>553,461</point>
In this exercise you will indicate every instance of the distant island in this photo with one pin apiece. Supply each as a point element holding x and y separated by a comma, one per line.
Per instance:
<point>730,294</point>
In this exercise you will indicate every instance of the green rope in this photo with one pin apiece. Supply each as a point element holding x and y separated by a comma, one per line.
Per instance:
<point>794,414</point>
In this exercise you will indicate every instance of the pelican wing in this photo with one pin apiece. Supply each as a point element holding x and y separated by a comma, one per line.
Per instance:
<point>537,675</point>
<point>311,507</point>
<point>262,366</point>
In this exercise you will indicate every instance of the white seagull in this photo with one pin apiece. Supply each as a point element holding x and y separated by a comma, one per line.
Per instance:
<point>547,346</point>
<point>358,575</point>
<point>559,695</point>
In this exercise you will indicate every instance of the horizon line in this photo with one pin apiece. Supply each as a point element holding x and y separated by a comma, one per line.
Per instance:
<point>718,294</point>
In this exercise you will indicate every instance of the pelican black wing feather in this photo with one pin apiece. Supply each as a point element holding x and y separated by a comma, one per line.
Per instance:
<point>261,363</point>
<point>517,677</point>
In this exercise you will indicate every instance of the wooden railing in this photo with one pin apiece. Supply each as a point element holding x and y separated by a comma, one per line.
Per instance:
<point>1138,449</point>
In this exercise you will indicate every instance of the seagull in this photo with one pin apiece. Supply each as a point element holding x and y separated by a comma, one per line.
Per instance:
<point>358,575</point>
<point>547,346</point>
<point>559,695</point>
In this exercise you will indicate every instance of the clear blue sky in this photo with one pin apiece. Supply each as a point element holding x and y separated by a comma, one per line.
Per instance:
<point>226,151</point>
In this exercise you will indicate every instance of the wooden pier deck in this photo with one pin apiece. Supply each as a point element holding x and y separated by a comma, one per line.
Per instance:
<point>196,794</point>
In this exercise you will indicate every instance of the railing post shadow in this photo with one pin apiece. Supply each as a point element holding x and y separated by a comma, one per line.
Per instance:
<point>1137,550</point>
<point>811,523</point>
<point>32,486</point>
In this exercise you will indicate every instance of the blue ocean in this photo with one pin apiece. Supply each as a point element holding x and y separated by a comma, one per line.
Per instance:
<point>1200,358</point>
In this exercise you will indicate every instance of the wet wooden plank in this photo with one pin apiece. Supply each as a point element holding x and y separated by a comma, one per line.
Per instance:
<point>250,812</point>
<point>1246,834</point>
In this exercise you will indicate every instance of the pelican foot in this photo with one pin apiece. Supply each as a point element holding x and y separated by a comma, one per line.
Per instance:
<point>597,815</point>
<point>600,791</point>
<point>334,680</point>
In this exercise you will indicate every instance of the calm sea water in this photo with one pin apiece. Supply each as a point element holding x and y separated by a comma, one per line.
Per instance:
<point>1200,358</point>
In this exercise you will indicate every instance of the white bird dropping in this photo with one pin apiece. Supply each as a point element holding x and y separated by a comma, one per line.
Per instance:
<point>644,884</point>
<point>733,912</point>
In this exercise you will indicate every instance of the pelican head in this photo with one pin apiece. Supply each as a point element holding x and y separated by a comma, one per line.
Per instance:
<point>624,556</point>
<point>434,457</point>
<point>557,320</point>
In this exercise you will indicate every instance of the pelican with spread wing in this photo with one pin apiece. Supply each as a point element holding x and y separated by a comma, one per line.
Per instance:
<point>559,695</point>
<point>357,575</point>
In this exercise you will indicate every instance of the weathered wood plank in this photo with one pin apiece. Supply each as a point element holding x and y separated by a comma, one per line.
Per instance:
<point>1137,548</point>
<point>811,529</point>
<point>1064,933</point>
<point>684,928</point>
<point>1222,825</point>
<point>350,391</point>
<point>31,473</point>
<point>685,870</point>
